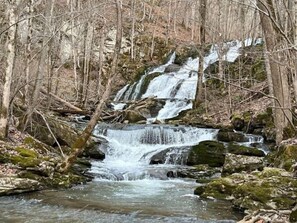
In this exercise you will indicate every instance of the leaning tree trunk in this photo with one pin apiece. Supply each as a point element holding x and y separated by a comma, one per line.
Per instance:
<point>4,114</point>
<point>80,143</point>
<point>278,74</point>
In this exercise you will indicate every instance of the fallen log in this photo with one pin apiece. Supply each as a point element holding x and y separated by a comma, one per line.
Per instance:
<point>66,103</point>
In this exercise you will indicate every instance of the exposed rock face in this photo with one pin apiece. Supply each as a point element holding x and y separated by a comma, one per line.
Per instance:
<point>271,188</point>
<point>238,163</point>
<point>15,185</point>
<point>207,152</point>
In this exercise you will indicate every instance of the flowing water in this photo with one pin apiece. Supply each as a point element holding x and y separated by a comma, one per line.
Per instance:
<point>178,88</point>
<point>126,188</point>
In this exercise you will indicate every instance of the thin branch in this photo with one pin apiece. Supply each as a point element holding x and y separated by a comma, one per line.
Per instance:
<point>48,127</point>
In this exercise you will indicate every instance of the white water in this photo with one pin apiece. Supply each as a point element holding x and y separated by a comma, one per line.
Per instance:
<point>129,149</point>
<point>179,88</point>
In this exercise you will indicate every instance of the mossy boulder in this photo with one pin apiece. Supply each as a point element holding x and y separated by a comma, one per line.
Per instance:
<point>238,163</point>
<point>244,150</point>
<point>230,136</point>
<point>285,157</point>
<point>271,188</point>
<point>207,152</point>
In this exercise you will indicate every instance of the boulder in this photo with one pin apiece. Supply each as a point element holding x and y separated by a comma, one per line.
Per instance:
<point>244,150</point>
<point>272,188</point>
<point>172,68</point>
<point>174,155</point>
<point>286,156</point>
<point>238,123</point>
<point>230,136</point>
<point>237,163</point>
<point>134,116</point>
<point>15,185</point>
<point>207,152</point>
<point>94,152</point>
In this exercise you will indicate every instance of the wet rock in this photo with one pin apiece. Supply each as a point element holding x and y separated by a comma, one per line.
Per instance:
<point>172,68</point>
<point>94,152</point>
<point>134,116</point>
<point>174,155</point>
<point>238,163</point>
<point>197,173</point>
<point>230,136</point>
<point>15,185</point>
<point>207,152</point>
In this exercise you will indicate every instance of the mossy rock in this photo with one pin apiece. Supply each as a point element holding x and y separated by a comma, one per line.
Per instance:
<point>238,163</point>
<point>285,157</point>
<point>271,188</point>
<point>244,150</point>
<point>221,188</point>
<point>207,152</point>
<point>230,136</point>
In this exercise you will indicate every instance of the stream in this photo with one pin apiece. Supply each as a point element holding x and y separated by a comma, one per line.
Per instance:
<point>126,188</point>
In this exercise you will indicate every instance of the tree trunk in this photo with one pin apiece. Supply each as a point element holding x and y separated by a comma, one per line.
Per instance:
<point>11,36</point>
<point>80,143</point>
<point>278,74</point>
<point>199,88</point>
<point>41,66</point>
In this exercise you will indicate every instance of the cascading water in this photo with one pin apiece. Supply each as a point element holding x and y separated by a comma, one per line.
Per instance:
<point>178,88</point>
<point>130,148</point>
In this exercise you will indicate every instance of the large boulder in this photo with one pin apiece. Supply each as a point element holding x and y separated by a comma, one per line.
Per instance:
<point>286,155</point>
<point>207,152</point>
<point>271,188</point>
<point>237,163</point>
<point>230,136</point>
<point>244,150</point>
<point>173,155</point>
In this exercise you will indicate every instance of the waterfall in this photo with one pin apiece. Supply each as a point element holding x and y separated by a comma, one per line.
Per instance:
<point>179,88</point>
<point>132,92</point>
<point>130,148</point>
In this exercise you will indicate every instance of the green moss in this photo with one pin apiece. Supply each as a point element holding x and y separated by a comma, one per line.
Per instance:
<point>256,193</point>
<point>207,152</point>
<point>220,188</point>
<point>270,172</point>
<point>26,152</point>
<point>24,162</point>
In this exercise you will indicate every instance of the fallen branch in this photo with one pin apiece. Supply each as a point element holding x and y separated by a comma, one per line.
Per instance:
<point>66,103</point>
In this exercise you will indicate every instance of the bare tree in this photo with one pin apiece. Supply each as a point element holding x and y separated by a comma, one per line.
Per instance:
<point>11,38</point>
<point>80,143</point>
